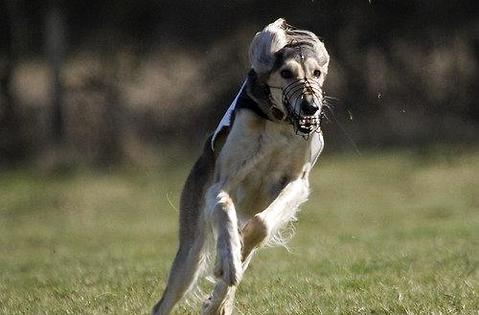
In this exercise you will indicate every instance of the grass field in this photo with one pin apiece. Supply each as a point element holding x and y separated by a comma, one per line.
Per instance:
<point>383,233</point>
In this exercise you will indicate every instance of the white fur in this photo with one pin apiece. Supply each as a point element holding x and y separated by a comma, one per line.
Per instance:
<point>265,44</point>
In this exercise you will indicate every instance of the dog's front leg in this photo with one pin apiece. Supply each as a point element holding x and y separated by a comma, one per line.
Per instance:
<point>265,224</point>
<point>222,215</point>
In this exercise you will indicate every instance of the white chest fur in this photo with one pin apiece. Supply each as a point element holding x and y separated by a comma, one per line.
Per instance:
<point>259,158</point>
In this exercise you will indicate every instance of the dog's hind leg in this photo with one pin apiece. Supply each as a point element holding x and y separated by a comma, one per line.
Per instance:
<point>184,273</point>
<point>188,260</point>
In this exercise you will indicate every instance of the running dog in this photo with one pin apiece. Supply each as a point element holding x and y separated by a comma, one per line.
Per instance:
<point>254,171</point>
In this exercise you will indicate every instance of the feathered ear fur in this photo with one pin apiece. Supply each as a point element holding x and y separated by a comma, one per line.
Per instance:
<point>265,44</point>
<point>257,88</point>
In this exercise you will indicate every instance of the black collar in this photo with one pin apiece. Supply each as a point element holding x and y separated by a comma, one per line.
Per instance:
<point>245,101</point>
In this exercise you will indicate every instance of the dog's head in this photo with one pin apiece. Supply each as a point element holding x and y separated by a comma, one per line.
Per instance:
<point>289,67</point>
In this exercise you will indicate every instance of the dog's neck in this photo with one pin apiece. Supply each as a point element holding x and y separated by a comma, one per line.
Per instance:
<point>245,101</point>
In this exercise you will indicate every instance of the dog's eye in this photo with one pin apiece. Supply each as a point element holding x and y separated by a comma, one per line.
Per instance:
<point>317,73</point>
<point>286,74</point>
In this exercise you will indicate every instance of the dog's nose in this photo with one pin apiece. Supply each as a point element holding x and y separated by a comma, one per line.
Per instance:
<point>309,107</point>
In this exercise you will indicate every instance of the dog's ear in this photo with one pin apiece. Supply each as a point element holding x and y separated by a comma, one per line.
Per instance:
<point>259,91</point>
<point>257,87</point>
<point>265,44</point>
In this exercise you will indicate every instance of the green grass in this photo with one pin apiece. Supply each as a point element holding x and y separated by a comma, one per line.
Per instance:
<point>384,233</point>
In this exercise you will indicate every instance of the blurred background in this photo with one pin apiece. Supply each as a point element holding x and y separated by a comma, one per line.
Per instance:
<point>104,106</point>
<point>103,82</point>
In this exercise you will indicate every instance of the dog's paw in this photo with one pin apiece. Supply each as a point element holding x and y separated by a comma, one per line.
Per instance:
<point>206,305</point>
<point>209,307</point>
<point>228,266</point>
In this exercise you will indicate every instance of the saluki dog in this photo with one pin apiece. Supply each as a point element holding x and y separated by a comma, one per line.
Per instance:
<point>253,173</point>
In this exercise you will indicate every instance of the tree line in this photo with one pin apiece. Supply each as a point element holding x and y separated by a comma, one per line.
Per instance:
<point>105,81</point>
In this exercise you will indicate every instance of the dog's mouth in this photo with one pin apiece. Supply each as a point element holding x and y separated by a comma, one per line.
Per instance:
<point>296,93</point>
<point>308,124</point>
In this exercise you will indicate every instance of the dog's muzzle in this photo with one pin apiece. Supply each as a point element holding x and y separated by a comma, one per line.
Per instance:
<point>303,102</point>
